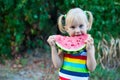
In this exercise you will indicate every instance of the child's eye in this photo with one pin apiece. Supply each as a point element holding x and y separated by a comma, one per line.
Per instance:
<point>72,27</point>
<point>81,26</point>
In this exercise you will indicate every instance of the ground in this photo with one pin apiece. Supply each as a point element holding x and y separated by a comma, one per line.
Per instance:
<point>36,66</point>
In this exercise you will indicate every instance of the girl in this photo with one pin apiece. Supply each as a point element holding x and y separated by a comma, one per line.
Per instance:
<point>75,23</point>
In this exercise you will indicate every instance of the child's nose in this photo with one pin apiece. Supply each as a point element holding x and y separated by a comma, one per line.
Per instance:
<point>77,30</point>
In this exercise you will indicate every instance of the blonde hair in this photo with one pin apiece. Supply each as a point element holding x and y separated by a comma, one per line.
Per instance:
<point>74,17</point>
<point>60,24</point>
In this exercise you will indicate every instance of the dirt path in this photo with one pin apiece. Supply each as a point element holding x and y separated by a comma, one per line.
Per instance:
<point>36,68</point>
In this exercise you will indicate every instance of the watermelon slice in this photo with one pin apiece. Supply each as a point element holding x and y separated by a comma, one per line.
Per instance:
<point>71,44</point>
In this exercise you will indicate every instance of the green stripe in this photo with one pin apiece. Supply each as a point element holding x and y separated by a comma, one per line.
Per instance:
<point>75,69</point>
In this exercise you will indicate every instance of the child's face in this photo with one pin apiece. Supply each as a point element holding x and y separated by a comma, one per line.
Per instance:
<point>76,30</point>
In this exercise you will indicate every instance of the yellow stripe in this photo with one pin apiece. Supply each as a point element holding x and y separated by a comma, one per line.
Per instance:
<point>75,60</point>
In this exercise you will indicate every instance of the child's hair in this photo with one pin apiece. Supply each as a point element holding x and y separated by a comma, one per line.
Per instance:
<point>74,17</point>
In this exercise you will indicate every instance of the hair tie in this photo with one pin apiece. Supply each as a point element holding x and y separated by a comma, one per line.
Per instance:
<point>65,16</point>
<point>85,12</point>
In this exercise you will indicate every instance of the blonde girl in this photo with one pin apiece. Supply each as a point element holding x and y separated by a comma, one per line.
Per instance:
<point>74,67</point>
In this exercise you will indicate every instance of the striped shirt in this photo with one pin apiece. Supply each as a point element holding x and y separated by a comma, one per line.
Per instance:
<point>74,67</point>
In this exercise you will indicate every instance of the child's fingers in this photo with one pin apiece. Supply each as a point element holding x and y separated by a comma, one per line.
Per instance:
<point>89,43</point>
<point>51,41</point>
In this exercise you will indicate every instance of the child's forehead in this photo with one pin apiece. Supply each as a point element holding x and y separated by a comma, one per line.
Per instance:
<point>75,14</point>
<point>78,21</point>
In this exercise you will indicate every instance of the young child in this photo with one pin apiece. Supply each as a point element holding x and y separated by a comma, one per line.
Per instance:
<point>75,23</point>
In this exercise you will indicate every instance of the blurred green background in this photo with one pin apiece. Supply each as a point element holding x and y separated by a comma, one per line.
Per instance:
<point>26,24</point>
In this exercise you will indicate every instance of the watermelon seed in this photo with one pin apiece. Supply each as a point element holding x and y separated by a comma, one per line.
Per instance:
<point>72,45</point>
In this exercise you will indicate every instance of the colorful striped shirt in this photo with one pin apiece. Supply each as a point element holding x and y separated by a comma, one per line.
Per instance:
<point>74,67</point>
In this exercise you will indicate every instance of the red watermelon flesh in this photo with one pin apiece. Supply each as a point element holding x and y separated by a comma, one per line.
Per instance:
<point>69,44</point>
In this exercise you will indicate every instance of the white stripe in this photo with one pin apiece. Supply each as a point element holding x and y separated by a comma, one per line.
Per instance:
<point>72,77</point>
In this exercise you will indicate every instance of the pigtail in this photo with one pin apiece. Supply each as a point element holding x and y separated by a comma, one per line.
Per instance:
<point>90,19</point>
<point>61,23</point>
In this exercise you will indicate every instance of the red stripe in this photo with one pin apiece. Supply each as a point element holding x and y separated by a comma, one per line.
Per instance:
<point>62,78</point>
<point>75,57</point>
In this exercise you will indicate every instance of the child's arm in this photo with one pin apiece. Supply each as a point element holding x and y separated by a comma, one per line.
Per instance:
<point>57,57</point>
<point>91,61</point>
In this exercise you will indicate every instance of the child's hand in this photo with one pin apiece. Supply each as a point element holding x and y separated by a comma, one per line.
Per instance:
<point>51,40</point>
<point>89,43</point>
<point>91,61</point>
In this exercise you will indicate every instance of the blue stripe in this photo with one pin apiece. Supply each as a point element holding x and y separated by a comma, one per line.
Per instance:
<point>74,73</point>
<point>74,65</point>
<point>83,53</point>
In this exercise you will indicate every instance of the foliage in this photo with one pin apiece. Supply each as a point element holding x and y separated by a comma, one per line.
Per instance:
<point>109,53</point>
<point>21,24</point>
<point>103,74</point>
<point>108,57</point>
<point>27,23</point>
